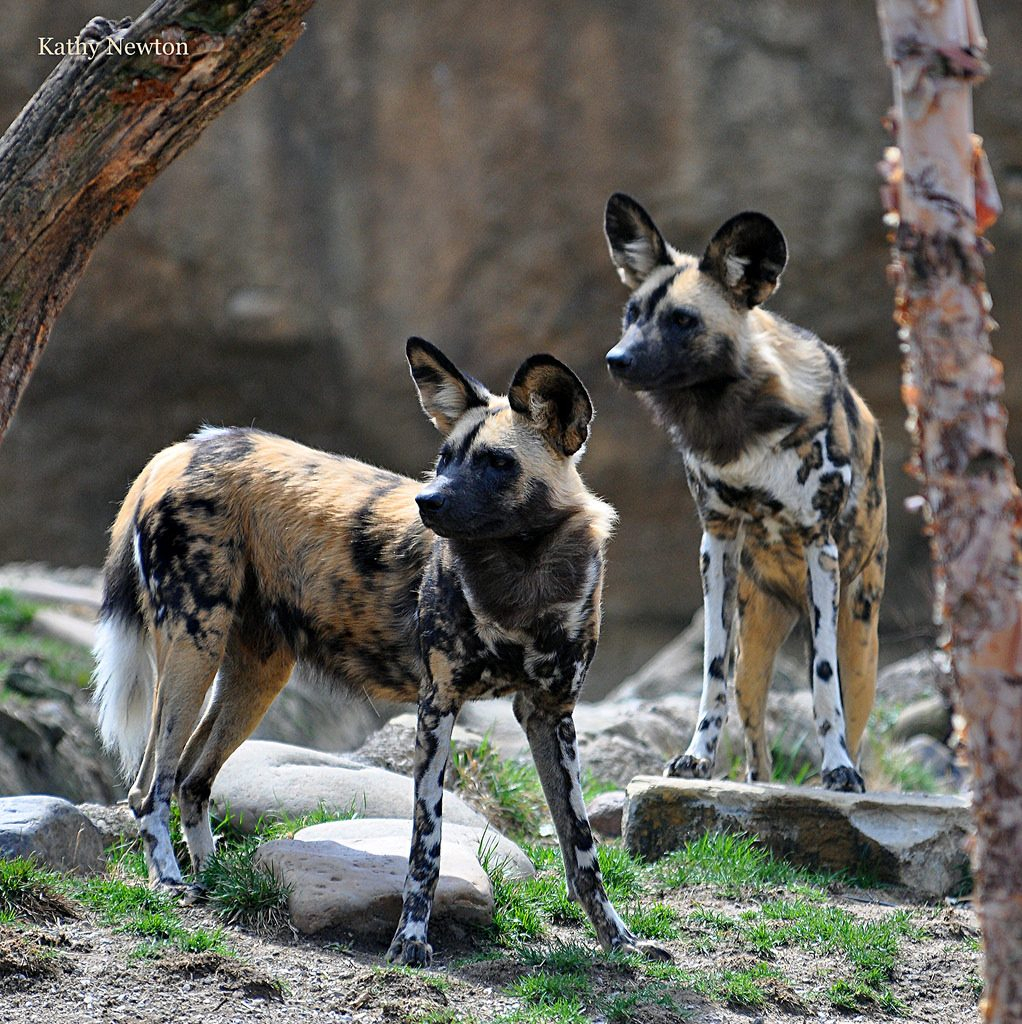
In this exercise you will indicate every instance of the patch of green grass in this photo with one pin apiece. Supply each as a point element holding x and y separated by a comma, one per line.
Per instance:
<point>622,873</point>
<point>734,864</point>
<point>19,646</point>
<point>563,1012</point>
<point>15,614</point>
<point>791,765</point>
<point>748,987</point>
<point>633,1007</point>
<point>283,826</point>
<point>870,947</point>
<point>506,792</point>
<point>30,893</point>
<point>548,988</point>
<point>906,775</point>
<point>149,914</point>
<point>655,921</point>
<point>241,892</point>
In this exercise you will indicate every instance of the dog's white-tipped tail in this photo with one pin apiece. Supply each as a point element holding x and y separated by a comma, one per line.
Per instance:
<point>123,683</point>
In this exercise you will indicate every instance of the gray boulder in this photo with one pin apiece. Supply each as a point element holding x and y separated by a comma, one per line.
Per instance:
<point>910,839</point>
<point>917,677</point>
<point>263,779</point>
<point>51,831</point>
<point>606,811</point>
<point>352,881</point>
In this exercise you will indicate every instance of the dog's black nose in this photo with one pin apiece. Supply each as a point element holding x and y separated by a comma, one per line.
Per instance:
<point>617,359</point>
<point>430,501</point>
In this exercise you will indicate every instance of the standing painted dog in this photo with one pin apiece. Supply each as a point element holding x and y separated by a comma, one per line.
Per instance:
<point>237,553</point>
<point>785,464</point>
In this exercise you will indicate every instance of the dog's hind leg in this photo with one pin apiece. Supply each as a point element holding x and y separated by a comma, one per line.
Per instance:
<point>432,751</point>
<point>185,668</point>
<point>858,648</point>
<point>764,623</point>
<point>554,749</point>
<point>248,681</point>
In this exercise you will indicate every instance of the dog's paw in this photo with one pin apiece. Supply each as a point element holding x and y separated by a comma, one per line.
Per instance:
<point>844,779</point>
<point>194,893</point>
<point>409,953</point>
<point>647,950</point>
<point>688,766</point>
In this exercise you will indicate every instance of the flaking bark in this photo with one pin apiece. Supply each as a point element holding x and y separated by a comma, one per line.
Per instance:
<point>940,197</point>
<point>97,131</point>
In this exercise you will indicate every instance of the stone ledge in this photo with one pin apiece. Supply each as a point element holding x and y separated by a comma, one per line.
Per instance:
<point>910,839</point>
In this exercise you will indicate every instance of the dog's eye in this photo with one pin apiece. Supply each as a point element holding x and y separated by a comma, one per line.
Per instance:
<point>683,319</point>
<point>499,460</point>
<point>444,460</point>
<point>631,313</point>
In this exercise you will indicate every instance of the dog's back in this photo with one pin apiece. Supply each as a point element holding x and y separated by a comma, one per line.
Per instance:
<point>288,549</point>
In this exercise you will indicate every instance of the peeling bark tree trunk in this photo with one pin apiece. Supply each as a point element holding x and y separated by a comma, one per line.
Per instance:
<point>99,129</point>
<point>940,198</point>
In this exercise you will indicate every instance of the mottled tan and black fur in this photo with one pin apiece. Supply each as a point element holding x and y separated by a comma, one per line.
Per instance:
<point>785,463</point>
<point>237,553</point>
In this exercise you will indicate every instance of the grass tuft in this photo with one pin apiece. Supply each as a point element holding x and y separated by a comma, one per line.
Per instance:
<point>242,893</point>
<point>506,792</point>
<point>30,893</point>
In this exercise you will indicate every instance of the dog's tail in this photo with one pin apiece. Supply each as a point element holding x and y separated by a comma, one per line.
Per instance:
<point>125,674</point>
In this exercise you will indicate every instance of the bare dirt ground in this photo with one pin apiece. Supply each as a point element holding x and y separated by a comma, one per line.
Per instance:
<point>68,971</point>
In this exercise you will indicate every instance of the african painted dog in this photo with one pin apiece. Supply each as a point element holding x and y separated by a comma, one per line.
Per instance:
<point>237,553</point>
<point>784,461</point>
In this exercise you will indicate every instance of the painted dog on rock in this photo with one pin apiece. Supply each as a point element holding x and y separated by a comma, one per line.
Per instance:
<point>237,553</point>
<point>784,461</point>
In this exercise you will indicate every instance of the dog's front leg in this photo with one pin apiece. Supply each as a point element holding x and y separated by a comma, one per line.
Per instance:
<point>824,583</point>
<point>719,563</point>
<point>554,749</point>
<point>432,750</point>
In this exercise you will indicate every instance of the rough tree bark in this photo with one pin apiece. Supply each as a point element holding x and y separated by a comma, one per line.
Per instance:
<point>98,130</point>
<point>940,197</point>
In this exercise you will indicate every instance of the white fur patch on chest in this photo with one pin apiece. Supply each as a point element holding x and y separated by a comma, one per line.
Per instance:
<point>765,484</point>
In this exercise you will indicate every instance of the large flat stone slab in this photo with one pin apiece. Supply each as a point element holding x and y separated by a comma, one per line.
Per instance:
<point>50,830</point>
<point>353,880</point>
<point>907,838</point>
<point>262,779</point>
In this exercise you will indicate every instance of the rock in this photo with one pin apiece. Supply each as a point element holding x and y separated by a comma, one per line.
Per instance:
<point>617,759</point>
<point>308,713</point>
<point>79,587</point>
<point>486,842</point>
<point>353,881</point>
<point>914,678</point>
<point>605,812</point>
<point>910,839</point>
<point>393,746</point>
<point>114,822</point>
<point>263,779</point>
<point>930,716</point>
<point>678,669</point>
<point>71,629</point>
<point>619,739</point>
<point>52,831</point>
<point>51,746</point>
<point>936,757</point>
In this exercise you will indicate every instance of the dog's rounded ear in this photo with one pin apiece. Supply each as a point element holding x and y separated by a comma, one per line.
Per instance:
<point>636,246</point>
<point>746,257</point>
<point>554,400</point>
<point>445,392</point>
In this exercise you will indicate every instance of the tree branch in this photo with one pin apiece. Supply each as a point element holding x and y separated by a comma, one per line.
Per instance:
<point>104,123</point>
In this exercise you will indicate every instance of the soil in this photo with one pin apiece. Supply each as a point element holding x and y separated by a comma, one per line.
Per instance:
<point>70,971</point>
